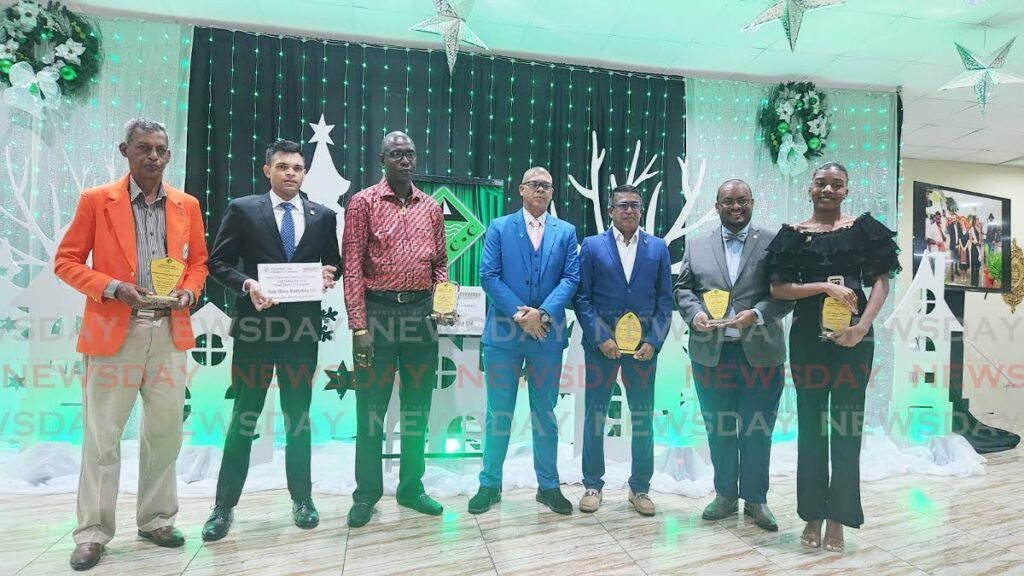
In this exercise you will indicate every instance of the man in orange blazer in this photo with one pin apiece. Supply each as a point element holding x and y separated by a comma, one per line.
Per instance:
<point>133,345</point>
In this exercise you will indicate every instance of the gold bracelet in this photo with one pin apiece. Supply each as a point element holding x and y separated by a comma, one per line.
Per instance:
<point>360,332</point>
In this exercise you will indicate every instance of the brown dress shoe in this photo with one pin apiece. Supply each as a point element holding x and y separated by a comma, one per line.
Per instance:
<point>165,536</point>
<point>86,555</point>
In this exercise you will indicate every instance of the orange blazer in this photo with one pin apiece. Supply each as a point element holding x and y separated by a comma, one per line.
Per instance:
<point>104,226</point>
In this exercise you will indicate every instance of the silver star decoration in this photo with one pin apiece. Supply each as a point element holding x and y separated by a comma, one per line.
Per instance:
<point>450,23</point>
<point>791,14</point>
<point>982,72</point>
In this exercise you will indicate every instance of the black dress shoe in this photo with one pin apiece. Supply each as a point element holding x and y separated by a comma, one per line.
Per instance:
<point>423,504</point>
<point>720,508</point>
<point>165,536</point>
<point>484,498</point>
<point>305,513</point>
<point>86,555</point>
<point>218,523</point>
<point>553,499</point>
<point>359,514</point>
<point>762,516</point>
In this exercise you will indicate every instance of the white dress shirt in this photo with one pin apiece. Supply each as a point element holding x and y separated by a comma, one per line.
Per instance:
<point>298,218</point>
<point>627,252</point>
<point>733,256</point>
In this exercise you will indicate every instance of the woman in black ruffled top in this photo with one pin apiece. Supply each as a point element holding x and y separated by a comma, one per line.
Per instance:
<point>831,370</point>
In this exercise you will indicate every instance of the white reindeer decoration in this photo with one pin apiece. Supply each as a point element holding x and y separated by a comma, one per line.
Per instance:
<point>690,192</point>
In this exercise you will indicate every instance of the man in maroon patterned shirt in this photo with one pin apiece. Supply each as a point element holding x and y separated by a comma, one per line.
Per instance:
<point>394,253</point>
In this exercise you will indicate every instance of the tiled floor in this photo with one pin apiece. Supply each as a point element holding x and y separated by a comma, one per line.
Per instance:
<point>915,525</point>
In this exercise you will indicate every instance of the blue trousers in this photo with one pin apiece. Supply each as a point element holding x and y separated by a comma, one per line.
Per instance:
<point>638,384</point>
<point>543,373</point>
<point>739,403</point>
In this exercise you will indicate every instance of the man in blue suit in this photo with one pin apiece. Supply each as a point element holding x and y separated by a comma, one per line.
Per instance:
<point>621,271</point>
<point>530,272</point>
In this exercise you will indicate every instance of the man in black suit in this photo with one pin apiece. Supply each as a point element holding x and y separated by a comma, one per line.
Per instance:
<point>278,227</point>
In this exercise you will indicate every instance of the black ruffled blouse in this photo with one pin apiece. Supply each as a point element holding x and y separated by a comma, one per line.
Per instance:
<point>861,252</point>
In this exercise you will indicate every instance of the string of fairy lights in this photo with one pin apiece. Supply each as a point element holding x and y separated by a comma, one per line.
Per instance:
<point>496,117</point>
<point>73,147</point>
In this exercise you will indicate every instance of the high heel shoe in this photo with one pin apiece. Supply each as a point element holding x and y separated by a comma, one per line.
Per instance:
<point>811,537</point>
<point>833,543</point>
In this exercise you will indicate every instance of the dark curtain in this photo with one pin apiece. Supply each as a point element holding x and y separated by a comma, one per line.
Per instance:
<point>494,118</point>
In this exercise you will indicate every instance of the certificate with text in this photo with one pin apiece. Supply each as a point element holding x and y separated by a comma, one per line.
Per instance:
<point>292,282</point>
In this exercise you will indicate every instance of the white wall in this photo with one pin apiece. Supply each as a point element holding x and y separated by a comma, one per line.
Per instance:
<point>988,321</point>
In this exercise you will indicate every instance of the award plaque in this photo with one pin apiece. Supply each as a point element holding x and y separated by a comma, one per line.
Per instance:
<point>165,274</point>
<point>446,296</point>
<point>835,315</point>
<point>629,332</point>
<point>716,302</point>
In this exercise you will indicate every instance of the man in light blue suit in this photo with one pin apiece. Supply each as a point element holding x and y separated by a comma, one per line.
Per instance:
<point>529,272</point>
<point>621,271</point>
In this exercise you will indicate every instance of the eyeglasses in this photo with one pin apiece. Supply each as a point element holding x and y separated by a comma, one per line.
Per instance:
<point>409,155</point>
<point>628,206</point>
<point>741,202</point>
<point>538,185</point>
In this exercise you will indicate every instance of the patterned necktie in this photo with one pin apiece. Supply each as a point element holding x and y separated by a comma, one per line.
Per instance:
<point>738,236</point>
<point>536,233</point>
<point>288,231</point>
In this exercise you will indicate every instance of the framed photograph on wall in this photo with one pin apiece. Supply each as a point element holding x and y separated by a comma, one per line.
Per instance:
<point>971,228</point>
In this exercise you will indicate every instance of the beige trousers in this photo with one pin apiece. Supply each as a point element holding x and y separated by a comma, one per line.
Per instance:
<point>149,365</point>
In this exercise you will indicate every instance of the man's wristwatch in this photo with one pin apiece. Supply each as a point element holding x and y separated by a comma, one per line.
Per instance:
<point>545,317</point>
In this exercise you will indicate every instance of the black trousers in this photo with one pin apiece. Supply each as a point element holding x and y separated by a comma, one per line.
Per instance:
<point>404,343</point>
<point>252,367</point>
<point>831,383</point>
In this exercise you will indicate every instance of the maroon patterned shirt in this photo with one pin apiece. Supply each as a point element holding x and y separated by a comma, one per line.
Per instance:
<point>388,247</point>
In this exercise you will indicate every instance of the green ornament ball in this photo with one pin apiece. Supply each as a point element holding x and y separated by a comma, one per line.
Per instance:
<point>814,100</point>
<point>68,73</point>
<point>814,143</point>
<point>782,127</point>
<point>5,65</point>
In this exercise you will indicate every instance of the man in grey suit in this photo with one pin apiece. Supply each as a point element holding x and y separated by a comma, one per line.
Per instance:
<point>737,359</point>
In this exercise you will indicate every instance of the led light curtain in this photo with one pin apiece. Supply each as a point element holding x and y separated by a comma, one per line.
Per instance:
<point>723,131</point>
<point>44,166</point>
<point>494,118</point>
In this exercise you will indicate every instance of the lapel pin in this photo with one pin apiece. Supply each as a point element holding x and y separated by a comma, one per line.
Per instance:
<point>311,213</point>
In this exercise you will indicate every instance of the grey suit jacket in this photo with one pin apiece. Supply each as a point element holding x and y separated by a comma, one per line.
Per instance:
<point>703,269</point>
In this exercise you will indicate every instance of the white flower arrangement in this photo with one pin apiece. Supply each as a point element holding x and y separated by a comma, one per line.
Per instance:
<point>27,13</point>
<point>70,51</point>
<point>37,37</point>
<point>818,126</point>
<point>8,50</point>
<point>794,123</point>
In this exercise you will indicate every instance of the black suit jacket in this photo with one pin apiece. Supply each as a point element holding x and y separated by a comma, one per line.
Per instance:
<point>248,236</point>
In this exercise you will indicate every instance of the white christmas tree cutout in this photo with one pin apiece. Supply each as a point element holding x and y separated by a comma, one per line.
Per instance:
<point>323,183</point>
